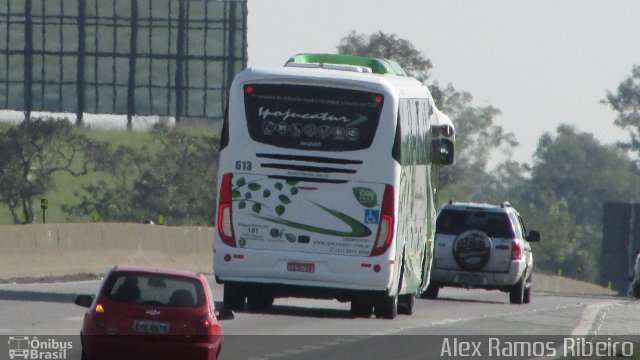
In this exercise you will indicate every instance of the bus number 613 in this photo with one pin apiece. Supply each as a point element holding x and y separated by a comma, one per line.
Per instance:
<point>243,165</point>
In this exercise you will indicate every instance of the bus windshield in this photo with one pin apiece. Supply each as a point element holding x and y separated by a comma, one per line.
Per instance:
<point>312,117</point>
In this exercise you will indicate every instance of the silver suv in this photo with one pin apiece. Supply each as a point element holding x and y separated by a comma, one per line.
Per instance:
<point>482,246</point>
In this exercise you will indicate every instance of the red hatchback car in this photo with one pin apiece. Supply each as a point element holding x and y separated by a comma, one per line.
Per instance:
<point>151,313</point>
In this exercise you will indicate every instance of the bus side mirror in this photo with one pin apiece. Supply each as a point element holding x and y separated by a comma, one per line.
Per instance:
<point>442,152</point>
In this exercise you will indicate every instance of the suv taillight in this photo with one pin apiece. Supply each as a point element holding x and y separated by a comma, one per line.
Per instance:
<point>385,229</point>
<point>225,220</point>
<point>516,251</point>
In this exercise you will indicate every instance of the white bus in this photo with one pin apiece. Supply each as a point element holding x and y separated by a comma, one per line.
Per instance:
<point>327,183</point>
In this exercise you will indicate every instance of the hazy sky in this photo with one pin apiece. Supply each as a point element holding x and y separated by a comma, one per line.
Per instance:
<point>541,62</point>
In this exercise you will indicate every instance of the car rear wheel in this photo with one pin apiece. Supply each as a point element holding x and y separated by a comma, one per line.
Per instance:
<point>516,295</point>
<point>234,297</point>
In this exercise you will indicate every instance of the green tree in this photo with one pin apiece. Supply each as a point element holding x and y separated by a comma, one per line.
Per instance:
<point>387,46</point>
<point>478,138</point>
<point>31,153</point>
<point>181,180</point>
<point>176,178</point>
<point>111,196</point>
<point>572,176</point>
<point>626,102</point>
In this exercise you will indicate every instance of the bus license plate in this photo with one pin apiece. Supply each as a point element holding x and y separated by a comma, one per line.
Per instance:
<point>301,267</point>
<point>151,327</point>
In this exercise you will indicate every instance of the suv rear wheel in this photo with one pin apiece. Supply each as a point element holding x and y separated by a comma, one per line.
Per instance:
<point>432,292</point>
<point>516,295</point>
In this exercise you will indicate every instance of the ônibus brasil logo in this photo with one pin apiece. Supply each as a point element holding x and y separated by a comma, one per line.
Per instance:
<point>32,348</point>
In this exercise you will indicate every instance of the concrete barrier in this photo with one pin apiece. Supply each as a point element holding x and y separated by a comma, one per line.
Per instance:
<point>69,249</point>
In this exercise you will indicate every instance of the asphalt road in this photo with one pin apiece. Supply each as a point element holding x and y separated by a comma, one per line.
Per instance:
<point>321,329</point>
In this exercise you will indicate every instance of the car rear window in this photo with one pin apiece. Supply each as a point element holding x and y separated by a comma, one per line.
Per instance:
<point>455,222</point>
<point>155,289</point>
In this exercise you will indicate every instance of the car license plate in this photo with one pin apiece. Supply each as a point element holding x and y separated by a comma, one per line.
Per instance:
<point>151,327</point>
<point>470,279</point>
<point>301,267</point>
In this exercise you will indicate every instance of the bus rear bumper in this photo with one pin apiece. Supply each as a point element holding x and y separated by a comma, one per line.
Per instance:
<point>303,269</point>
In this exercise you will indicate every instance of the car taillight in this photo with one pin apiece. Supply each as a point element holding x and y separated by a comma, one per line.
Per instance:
<point>208,327</point>
<point>516,251</point>
<point>385,229</point>
<point>225,220</point>
<point>100,317</point>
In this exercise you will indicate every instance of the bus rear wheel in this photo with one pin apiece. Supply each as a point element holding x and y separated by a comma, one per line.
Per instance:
<point>361,308</point>
<point>406,304</point>
<point>234,297</point>
<point>387,308</point>
<point>258,301</point>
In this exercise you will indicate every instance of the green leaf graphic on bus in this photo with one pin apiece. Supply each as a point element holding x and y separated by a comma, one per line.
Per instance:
<point>248,193</point>
<point>284,199</point>
<point>256,208</point>
<point>357,229</point>
<point>365,196</point>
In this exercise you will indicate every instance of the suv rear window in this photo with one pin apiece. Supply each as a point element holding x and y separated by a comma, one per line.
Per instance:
<point>155,289</point>
<point>312,117</point>
<point>455,222</point>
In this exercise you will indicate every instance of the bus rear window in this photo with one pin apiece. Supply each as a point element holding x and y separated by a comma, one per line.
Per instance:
<point>312,117</point>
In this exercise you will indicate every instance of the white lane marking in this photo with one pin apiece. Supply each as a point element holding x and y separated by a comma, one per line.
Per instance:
<point>75,318</point>
<point>592,314</point>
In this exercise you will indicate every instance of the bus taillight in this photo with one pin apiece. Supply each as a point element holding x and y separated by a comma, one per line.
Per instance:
<point>225,224</point>
<point>385,229</point>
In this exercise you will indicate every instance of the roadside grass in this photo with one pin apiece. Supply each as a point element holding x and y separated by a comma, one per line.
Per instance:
<point>67,185</point>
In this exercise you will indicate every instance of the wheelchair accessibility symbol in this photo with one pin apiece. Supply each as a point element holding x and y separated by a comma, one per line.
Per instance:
<point>371,216</point>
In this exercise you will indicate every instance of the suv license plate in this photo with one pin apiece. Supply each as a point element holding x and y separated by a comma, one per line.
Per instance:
<point>151,327</point>
<point>470,279</point>
<point>301,267</point>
